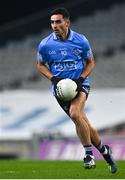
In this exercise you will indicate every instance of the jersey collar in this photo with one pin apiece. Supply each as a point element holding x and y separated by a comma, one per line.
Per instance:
<point>70,38</point>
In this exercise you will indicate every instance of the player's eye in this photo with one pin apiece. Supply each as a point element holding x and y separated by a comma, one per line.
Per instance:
<point>56,22</point>
<point>51,22</point>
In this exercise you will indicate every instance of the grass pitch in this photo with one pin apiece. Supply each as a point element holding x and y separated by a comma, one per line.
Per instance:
<point>15,169</point>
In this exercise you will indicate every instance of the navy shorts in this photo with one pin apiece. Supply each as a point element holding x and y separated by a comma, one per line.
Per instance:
<point>65,105</point>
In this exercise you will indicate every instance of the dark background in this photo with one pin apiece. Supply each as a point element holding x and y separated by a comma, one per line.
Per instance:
<point>14,9</point>
<point>19,18</point>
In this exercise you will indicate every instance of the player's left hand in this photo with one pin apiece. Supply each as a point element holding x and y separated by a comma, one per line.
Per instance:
<point>79,82</point>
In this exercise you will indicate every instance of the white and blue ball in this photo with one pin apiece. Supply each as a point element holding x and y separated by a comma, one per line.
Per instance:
<point>66,89</point>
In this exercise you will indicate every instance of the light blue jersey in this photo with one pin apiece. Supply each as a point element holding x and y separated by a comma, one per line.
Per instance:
<point>66,59</point>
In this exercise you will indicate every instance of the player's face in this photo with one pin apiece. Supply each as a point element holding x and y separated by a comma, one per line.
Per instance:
<point>60,26</point>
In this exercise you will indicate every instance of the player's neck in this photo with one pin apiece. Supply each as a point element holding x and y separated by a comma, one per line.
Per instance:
<point>65,35</point>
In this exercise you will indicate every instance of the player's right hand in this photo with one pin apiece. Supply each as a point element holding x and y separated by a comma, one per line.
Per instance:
<point>55,80</point>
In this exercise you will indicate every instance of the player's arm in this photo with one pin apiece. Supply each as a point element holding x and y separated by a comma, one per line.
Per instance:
<point>90,63</point>
<point>44,70</point>
<point>88,69</point>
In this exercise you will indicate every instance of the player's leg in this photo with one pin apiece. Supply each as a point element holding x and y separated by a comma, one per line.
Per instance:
<point>95,139</point>
<point>76,114</point>
<point>89,158</point>
<point>82,128</point>
<point>81,125</point>
<point>105,150</point>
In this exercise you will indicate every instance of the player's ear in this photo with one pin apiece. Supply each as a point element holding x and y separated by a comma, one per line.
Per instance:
<point>68,22</point>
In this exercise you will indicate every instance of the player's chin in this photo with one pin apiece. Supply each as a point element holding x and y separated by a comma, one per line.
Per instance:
<point>57,33</point>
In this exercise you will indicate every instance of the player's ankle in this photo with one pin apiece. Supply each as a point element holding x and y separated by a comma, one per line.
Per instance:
<point>88,150</point>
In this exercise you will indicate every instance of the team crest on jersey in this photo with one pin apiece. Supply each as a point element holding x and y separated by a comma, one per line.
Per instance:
<point>75,51</point>
<point>63,51</point>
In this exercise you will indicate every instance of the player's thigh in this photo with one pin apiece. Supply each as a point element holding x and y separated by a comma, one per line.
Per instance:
<point>78,103</point>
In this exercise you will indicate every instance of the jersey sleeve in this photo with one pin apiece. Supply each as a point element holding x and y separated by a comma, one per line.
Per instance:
<point>87,49</point>
<point>41,53</point>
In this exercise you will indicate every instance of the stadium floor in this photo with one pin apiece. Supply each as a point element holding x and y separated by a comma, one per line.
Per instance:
<point>23,169</point>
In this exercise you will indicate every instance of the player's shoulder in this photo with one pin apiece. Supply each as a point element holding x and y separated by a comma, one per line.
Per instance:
<point>45,40</point>
<point>79,36</point>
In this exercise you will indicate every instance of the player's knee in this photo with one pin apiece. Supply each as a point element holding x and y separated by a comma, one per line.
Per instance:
<point>75,115</point>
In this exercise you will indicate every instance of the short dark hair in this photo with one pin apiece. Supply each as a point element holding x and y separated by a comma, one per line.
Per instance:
<point>63,11</point>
